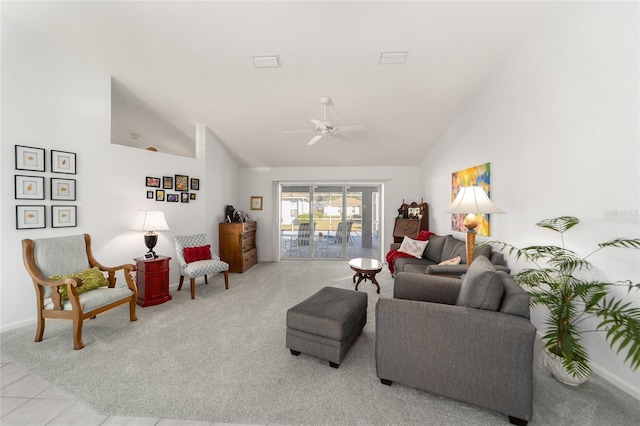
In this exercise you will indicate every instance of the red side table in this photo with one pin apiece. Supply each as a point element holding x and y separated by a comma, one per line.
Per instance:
<point>152,280</point>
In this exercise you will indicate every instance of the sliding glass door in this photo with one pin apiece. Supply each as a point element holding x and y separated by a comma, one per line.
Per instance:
<point>329,221</point>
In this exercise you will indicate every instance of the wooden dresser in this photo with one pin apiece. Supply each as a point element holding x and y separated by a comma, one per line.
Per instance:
<point>238,245</point>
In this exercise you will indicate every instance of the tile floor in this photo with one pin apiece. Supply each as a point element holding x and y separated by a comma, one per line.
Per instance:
<point>28,400</point>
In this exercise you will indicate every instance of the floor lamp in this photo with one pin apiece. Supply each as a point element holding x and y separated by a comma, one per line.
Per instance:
<point>472,200</point>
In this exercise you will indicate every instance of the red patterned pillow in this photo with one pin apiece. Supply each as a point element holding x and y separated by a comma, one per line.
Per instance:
<point>193,254</point>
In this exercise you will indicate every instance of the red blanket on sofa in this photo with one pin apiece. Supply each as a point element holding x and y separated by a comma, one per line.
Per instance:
<point>394,253</point>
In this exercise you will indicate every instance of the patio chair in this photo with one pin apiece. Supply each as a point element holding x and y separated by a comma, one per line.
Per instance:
<point>340,233</point>
<point>305,230</point>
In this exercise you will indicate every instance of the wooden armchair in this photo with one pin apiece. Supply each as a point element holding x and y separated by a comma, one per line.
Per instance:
<point>61,256</point>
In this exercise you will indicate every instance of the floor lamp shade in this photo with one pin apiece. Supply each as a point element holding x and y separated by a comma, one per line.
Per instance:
<point>472,200</point>
<point>150,221</point>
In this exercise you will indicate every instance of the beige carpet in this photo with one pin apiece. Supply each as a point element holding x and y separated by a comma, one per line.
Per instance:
<point>222,358</point>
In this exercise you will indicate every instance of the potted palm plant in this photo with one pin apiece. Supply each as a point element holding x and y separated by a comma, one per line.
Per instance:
<point>558,280</point>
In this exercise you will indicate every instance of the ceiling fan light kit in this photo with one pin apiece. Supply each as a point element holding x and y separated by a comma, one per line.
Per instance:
<point>325,127</point>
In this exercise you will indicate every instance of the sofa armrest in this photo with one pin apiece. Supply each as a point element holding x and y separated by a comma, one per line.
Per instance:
<point>473,355</point>
<point>426,288</point>
<point>394,246</point>
<point>447,270</point>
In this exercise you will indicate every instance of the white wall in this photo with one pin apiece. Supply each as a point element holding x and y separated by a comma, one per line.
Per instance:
<point>559,123</point>
<point>399,183</point>
<point>54,100</point>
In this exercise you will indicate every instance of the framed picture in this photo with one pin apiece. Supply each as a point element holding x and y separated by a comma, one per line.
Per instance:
<point>195,184</point>
<point>167,182</point>
<point>182,183</point>
<point>184,197</point>
<point>29,158</point>
<point>29,187</point>
<point>30,217</point>
<point>63,189</point>
<point>172,198</point>
<point>63,216</point>
<point>153,182</point>
<point>256,203</point>
<point>63,162</point>
<point>192,196</point>
<point>159,194</point>
<point>150,194</point>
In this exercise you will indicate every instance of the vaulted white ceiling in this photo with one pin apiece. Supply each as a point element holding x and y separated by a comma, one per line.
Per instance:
<point>191,62</point>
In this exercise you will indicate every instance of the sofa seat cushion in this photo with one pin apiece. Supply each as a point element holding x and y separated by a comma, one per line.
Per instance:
<point>401,264</point>
<point>95,299</point>
<point>482,287</point>
<point>204,267</point>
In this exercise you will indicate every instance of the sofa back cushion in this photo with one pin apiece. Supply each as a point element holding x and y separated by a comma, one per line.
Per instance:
<point>452,248</point>
<point>433,252</point>
<point>515,300</point>
<point>481,287</point>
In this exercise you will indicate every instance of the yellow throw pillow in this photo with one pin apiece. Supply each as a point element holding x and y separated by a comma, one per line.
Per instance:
<point>91,279</point>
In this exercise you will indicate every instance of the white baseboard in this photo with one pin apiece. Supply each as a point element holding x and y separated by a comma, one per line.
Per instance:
<point>16,325</point>
<point>616,381</point>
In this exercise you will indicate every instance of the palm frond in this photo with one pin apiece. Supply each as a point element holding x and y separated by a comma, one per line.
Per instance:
<point>559,224</point>
<point>622,323</point>
<point>622,242</point>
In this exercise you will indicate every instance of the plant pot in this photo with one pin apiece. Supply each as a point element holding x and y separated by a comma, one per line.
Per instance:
<point>554,364</point>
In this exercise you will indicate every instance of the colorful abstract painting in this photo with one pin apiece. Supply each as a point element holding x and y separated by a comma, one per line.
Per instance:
<point>479,176</point>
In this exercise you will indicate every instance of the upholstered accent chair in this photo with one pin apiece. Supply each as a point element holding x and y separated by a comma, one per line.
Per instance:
<point>468,339</point>
<point>70,283</point>
<point>197,259</point>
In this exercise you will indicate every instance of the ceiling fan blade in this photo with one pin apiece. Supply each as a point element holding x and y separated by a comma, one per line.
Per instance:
<point>349,128</point>
<point>314,140</point>
<point>319,124</point>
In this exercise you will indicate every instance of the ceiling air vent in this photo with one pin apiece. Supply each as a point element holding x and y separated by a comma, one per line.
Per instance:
<point>393,58</point>
<point>266,61</point>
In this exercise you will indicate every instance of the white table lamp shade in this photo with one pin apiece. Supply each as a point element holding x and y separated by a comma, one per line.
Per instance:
<point>150,220</point>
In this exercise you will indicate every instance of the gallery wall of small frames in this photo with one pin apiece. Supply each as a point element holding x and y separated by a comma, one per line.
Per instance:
<point>31,189</point>
<point>173,189</point>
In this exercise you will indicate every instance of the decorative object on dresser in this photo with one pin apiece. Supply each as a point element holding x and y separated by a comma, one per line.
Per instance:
<point>472,200</point>
<point>238,245</point>
<point>197,259</point>
<point>152,280</point>
<point>412,218</point>
<point>151,221</point>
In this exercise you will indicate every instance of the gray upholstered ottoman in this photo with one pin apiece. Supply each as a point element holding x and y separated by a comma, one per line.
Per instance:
<point>326,324</point>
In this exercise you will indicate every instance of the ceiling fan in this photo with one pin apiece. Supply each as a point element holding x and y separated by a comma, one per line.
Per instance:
<point>325,127</point>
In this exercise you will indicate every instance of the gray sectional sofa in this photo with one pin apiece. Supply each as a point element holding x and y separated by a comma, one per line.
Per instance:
<point>444,247</point>
<point>468,339</point>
